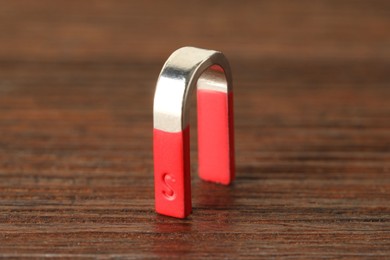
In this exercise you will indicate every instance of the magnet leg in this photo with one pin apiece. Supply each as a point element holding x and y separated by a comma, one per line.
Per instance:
<point>215,136</point>
<point>172,173</point>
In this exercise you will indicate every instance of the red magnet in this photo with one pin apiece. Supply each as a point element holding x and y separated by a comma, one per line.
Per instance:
<point>184,70</point>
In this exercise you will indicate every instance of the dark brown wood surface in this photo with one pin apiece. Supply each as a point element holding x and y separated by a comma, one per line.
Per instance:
<point>312,100</point>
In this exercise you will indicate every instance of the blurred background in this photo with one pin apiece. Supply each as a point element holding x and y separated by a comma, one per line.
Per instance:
<point>144,31</point>
<point>92,60</point>
<point>312,93</point>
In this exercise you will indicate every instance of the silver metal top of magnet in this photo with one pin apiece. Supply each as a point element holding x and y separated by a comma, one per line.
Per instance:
<point>186,68</point>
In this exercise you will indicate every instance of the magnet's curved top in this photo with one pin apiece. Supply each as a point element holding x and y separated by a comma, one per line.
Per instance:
<point>184,69</point>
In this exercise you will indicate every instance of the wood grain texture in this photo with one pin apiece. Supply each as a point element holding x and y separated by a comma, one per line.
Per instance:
<point>312,100</point>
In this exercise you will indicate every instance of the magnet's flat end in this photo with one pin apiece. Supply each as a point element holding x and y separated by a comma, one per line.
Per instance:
<point>172,173</point>
<point>215,136</point>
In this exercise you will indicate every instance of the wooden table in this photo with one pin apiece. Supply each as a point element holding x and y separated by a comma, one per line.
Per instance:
<point>312,100</point>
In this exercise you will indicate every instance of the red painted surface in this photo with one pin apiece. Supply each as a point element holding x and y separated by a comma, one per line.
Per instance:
<point>216,154</point>
<point>172,173</point>
<point>215,136</point>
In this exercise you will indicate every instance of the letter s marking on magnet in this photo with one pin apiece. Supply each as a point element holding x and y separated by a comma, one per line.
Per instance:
<point>168,192</point>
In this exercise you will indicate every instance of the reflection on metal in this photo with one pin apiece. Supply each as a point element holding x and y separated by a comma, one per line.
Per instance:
<point>177,80</point>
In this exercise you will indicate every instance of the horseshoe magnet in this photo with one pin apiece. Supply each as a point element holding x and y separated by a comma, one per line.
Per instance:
<point>209,72</point>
